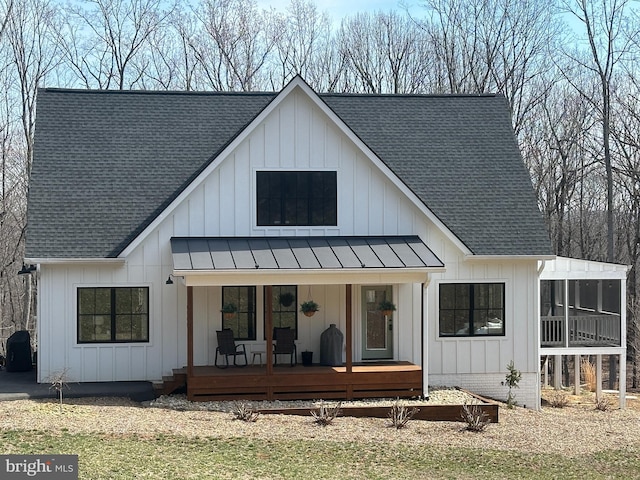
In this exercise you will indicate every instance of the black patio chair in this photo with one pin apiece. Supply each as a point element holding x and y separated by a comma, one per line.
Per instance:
<point>285,344</point>
<point>227,347</point>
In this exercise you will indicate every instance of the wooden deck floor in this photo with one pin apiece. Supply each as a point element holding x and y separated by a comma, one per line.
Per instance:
<point>389,379</point>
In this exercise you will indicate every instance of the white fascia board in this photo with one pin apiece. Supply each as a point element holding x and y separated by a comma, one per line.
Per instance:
<point>562,268</point>
<point>298,83</point>
<point>584,275</point>
<point>305,277</point>
<point>75,261</point>
<point>510,258</point>
<point>583,351</point>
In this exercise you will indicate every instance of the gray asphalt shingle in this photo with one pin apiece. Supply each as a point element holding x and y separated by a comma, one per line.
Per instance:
<point>107,163</point>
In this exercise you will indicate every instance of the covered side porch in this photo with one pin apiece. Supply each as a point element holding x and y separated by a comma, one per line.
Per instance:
<point>582,315</point>
<point>343,265</point>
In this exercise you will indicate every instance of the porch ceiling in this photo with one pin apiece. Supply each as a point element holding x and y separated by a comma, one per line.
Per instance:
<point>302,260</point>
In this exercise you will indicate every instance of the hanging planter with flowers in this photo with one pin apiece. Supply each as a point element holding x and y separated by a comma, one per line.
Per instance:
<point>309,308</point>
<point>229,310</point>
<point>386,307</point>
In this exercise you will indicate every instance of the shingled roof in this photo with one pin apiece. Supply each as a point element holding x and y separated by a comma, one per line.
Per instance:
<point>106,163</point>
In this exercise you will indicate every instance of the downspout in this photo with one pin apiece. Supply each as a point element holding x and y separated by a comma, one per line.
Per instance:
<point>425,338</point>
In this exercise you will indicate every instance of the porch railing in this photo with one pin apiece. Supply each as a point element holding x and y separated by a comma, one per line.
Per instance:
<point>583,331</point>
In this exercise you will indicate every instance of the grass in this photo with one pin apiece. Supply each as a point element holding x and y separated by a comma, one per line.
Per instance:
<point>166,456</point>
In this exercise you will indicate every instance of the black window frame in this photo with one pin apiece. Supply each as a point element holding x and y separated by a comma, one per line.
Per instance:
<point>114,312</point>
<point>244,311</point>
<point>277,307</point>
<point>296,198</point>
<point>471,309</point>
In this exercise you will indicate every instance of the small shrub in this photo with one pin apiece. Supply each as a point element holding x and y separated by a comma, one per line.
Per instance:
<point>512,379</point>
<point>59,381</point>
<point>325,415</point>
<point>241,411</point>
<point>558,399</point>
<point>474,417</point>
<point>400,414</point>
<point>588,371</point>
<point>603,404</point>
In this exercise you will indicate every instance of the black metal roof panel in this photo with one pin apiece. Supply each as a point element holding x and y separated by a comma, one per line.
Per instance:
<point>279,253</point>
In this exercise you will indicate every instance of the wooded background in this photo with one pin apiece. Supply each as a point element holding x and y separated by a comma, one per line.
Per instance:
<point>568,68</point>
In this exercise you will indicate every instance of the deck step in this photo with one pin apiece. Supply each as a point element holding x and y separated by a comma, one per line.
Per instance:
<point>171,383</point>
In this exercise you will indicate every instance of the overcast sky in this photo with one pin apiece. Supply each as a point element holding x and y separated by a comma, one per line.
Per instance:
<point>341,8</point>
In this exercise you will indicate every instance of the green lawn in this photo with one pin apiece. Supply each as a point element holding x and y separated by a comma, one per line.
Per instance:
<point>175,457</point>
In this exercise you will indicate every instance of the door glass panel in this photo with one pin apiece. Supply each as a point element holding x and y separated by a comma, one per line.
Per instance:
<point>376,330</point>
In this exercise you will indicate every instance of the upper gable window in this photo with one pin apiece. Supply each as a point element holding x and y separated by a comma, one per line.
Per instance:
<point>297,198</point>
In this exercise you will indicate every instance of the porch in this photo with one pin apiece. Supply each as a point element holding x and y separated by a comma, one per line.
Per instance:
<point>330,265</point>
<point>583,314</point>
<point>377,380</point>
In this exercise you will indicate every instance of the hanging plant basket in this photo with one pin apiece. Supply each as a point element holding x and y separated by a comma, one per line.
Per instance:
<point>286,299</point>
<point>387,308</point>
<point>229,310</point>
<point>309,308</point>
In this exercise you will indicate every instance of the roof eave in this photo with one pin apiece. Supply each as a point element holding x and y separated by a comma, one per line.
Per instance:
<point>74,261</point>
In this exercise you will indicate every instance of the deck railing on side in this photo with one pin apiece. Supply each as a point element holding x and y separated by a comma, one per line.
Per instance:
<point>584,330</point>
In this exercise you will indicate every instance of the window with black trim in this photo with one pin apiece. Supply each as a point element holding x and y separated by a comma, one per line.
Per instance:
<point>113,314</point>
<point>284,306</point>
<point>296,198</point>
<point>243,320</point>
<point>470,309</point>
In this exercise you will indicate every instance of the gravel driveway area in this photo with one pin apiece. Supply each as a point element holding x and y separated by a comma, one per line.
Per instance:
<point>577,429</point>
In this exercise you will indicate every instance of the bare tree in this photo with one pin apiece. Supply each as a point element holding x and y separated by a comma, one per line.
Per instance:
<point>603,22</point>
<point>386,52</point>
<point>102,40</point>
<point>499,46</point>
<point>304,45</point>
<point>234,45</point>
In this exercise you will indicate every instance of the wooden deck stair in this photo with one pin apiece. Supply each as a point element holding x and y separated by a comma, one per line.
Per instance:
<point>171,383</point>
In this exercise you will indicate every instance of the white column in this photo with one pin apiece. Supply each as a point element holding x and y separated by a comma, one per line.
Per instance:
<point>557,372</point>
<point>598,377</point>
<point>425,338</point>
<point>576,374</point>
<point>622,380</point>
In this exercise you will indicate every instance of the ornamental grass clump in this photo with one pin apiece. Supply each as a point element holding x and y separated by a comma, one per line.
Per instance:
<point>400,414</point>
<point>475,418</point>
<point>242,411</point>
<point>588,371</point>
<point>325,415</point>
<point>603,404</point>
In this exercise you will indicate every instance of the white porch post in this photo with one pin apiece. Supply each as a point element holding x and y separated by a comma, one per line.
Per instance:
<point>425,340</point>
<point>622,381</point>
<point>576,374</point>
<point>598,377</point>
<point>557,372</point>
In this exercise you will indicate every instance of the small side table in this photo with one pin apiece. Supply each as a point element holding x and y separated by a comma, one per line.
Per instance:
<point>256,353</point>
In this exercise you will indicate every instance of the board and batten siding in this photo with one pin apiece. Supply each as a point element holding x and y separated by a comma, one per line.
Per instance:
<point>479,363</point>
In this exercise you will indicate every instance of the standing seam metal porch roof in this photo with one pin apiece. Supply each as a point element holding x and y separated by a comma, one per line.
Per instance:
<point>301,253</point>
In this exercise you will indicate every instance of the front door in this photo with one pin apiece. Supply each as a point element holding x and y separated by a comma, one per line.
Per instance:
<point>377,328</point>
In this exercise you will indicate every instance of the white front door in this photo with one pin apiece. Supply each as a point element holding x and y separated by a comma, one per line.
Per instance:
<point>377,328</point>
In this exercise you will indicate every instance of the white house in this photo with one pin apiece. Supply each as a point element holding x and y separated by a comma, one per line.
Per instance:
<point>251,198</point>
